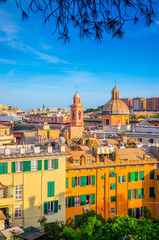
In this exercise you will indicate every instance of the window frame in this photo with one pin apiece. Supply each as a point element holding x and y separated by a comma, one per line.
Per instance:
<point>19,166</point>
<point>77,200</point>
<point>18,192</point>
<point>34,167</point>
<point>50,205</point>
<point>19,212</point>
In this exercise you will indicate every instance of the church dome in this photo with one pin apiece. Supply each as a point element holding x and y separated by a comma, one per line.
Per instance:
<point>115,105</point>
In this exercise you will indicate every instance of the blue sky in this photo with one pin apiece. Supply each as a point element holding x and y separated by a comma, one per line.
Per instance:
<point>36,68</point>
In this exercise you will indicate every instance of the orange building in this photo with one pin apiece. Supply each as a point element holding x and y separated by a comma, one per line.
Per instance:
<point>112,184</point>
<point>115,111</point>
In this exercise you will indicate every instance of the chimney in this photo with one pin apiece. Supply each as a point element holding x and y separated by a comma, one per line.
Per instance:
<point>22,150</point>
<point>7,151</point>
<point>49,149</point>
<point>36,149</point>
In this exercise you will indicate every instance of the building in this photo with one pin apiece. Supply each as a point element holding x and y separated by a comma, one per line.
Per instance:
<point>139,104</point>
<point>32,185</point>
<point>46,134</point>
<point>76,128</point>
<point>152,104</point>
<point>6,137</point>
<point>115,111</point>
<point>112,182</point>
<point>128,102</point>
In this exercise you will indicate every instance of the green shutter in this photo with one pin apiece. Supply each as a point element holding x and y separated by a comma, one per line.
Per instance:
<point>141,192</point>
<point>129,194</point>
<point>136,176</point>
<point>55,206</point>
<point>151,174</point>
<point>113,198</point>
<point>76,218</point>
<point>73,182</point>
<point>152,193</point>
<point>67,182</point>
<point>112,174</point>
<point>83,181</point>
<point>13,167</point>
<point>50,189</point>
<point>93,198</point>
<point>69,201</point>
<point>39,165</point>
<point>119,179</point>
<point>137,194</point>
<point>73,201</point>
<point>83,199</point>
<point>55,163</point>
<point>93,180</point>
<point>45,208</point>
<point>130,211</point>
<point>3,168</point>
<point>45,164</point>
<point>141,175</point>
<point>113,186</point>
<point>132,176</point>
<point>124,178</point>
<point>26,166</point>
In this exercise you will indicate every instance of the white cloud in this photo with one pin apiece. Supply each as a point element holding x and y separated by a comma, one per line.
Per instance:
<point>8,61</point>
<point>45,46</point>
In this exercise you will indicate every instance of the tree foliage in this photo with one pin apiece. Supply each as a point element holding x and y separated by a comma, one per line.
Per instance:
<point>92,18</point>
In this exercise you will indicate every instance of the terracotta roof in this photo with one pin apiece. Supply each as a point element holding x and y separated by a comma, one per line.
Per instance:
<point>134,153</point>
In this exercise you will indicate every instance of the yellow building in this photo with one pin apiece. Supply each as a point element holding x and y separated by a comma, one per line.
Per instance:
<point>32,185</point>
<point>112,184</point>
<point>45,134</point>
<point>115,111</point>
<point>5,136</point>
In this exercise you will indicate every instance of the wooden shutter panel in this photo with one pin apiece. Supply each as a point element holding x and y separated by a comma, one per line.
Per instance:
<point>69,201</point>
<point>129,194</point>
<point>73,201</point>
<point>93,198</point>
<point>124,178</point>
<point>130,211</point>
<point>73,182</point>
<point>26,166</point>
<point>151,174</point>
<point>39,165</point>
<point>55,163</point>
<point>83,181</point>
<point>50,189</point>
<point>136,176</point>
<point>45,208</point>
<point>13,167</point>
<point>55,206</point>
<point>93,180</point>
<point>119,179</point>
<point>83,199</point>
<point>67,182</point>
<point>45,164</point>
<point>136,193</point>
<point>5,167</point>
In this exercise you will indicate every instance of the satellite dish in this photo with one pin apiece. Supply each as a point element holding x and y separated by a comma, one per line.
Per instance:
<point>62,140</point>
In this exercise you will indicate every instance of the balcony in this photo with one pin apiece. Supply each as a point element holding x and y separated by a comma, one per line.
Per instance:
<point>6,191</point>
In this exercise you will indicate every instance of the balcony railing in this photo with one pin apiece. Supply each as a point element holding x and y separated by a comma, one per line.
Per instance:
<point>6,192</point>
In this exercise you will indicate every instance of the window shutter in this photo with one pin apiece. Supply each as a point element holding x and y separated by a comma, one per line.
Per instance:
<point>5,167</point>
<point>50,189</point>
<point>157,177</point>
<point>26,166</point>
<point>93,180</point>
<point>151,174</point>
<point>119,179</point>
<point>67,182</point>
<point>45,208</point>
<point>130,211</point>
<point>13,167</point>
<point>76,218</point>
<point>55,163</point>
<point>113,198</point>
<point>73,182</point>
<point>136,196</point>
<point>141,175</point>
<point>83,199</point>
<point>83,181</point>
<point>55,206</point>
<point>136,176</point>
<point>113,186</point>
<point>129,194</point>
<point>45,164</point>
<point>152,193</point>
<point>69,201</point>
<point>73,201</point>
<point>132,176</point>
<point>124,178</point>
<point>39,165</point>
<point>93,198</point>
<point>141,192</point>
<point>112,174</point>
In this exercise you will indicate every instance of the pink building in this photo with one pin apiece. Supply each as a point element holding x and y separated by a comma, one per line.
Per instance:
<point>128,102</point>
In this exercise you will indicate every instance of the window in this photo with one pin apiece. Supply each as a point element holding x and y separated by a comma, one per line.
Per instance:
<point>88,160</point>
<point>113,198</point>
<point>77,181</point>
<point>18,192</point>
<point>5,132</point>
<point>112,174</point>
<point>152,192</point>
<point>77,162</point>
<point>34,165</point>
<point>141,193</point>
<point>107,121</point>
<point>18,166</point>
<point>151,140</point>
<point>122,179</point>
<point>112,210</point>
<point>136,212</point>
<point>113,186</point>
<point>151,174</point>
<point>77,200</point>
<point>133,194</point>
<point>50,189</point>
<point>88,199</point>
<point>140,139</point>
<point>18,211</point>
<point>66,202</point>
<point>133,176</point>
<point>50,207</point>
<point>141,175</point>
<point>89,180</point>
<point>51,164</point>
<point>3,167</point>
<point>79,115</point>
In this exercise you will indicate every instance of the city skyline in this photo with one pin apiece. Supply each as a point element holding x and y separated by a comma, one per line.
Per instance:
<point>37,68</point>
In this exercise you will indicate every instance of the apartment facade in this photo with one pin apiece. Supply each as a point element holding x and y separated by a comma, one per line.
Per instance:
<point>152,104</point>
<point>32,185</point>
<point>139,104</point>
<point>122,186</point>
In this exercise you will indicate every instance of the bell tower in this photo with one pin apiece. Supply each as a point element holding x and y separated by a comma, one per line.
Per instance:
<point>76,117</point>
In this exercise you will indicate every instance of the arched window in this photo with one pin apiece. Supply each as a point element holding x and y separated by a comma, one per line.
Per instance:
<point>73,115</point>
<point>79,115</point>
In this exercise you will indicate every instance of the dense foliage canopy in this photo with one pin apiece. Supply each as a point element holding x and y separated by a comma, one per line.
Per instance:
<point>92,18</point>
